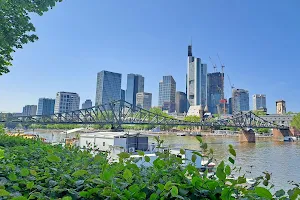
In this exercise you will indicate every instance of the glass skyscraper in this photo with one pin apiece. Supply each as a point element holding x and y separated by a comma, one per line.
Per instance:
<point>215,89</point>
<point>259,102</point>
<point>66,101</point>
<point>196,80</point>
<point>167,90</point>
<point>180,102</point>
<point>240,100</point>
<point>46,106</point>
<point>135,84</point>
<point>108,87</point>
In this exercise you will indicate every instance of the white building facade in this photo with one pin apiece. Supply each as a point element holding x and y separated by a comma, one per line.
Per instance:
<point>66,101</point>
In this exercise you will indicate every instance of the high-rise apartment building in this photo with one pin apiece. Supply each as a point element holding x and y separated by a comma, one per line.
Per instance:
<point>196,80</point>
<point>135,84</point>
<point>46,106</point>
<point>66,101</point>
<point>259,102</point>
<point>108,87</point>
<point>167,90</point>
<point>215,89</point>
<point>87,104</point>
<point>180,102</point>
<point>240,100</point>
<point>280,107</point>
<point>29,110</point>
<point>144,100</point>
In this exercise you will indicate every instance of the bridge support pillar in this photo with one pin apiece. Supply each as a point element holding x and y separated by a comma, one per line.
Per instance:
<point>279,134</point>
<point>247,136</point>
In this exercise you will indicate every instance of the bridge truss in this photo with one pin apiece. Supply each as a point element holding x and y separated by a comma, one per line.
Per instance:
<point>121,112</point>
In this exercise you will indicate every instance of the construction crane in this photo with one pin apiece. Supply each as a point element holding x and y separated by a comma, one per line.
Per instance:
<point>223,100</point>
<point>232,86</point>
<point>213,64</point>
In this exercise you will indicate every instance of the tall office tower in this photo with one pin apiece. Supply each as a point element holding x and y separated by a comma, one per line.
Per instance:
<point>29,110</point>
<point>240,100</point>
<point>196,80</point>
<point>123,95</point>
<point>215,89</point>
<point>280,107</point>
<point>46,106</point>
<point>144,100</point>
<point>180,102</point>
<point>87,104</point>
<point>230,105</point>
<point>135,84</point>
<point>167,90</point>
<point>66,101</point>
<point>108,87</point>
<point>259,102</point>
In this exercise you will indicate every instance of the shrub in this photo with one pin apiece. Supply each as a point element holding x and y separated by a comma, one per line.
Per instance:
<point>31,169</point>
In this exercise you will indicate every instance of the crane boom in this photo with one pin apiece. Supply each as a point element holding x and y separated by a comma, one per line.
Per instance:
<point>213,64</point>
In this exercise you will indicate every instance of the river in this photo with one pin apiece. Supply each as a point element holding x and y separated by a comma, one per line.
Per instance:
<point>282,159</point>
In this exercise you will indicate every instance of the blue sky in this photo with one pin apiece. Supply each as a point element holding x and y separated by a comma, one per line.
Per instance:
<point>258,41</point>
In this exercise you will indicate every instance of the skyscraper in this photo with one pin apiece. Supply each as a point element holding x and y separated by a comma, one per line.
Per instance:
<point>215,89</point>
<point>87,104</point>
<point>135,84</point>
<point>66,101</point>
<point>123,95</point>
<point>180,102</point>
<point>167,90</point>
<point>259,102</point>
<point>29,110</point>
<point>240,100</point>
<point>108,87</point>
<point>196,80</point>
<point>144,100</point>
<point>46,106</point>
<point>230,105</point>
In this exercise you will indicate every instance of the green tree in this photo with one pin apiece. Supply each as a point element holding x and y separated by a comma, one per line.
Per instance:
<point>259,112</point>
<point>2,129</point>
<point>16,27</point>
<point>296,121</point>
<point>192,118</point>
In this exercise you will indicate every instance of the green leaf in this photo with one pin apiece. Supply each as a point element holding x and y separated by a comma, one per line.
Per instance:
<point>83,194</point>
<point>227,170</point>
<point>24,172</point>
<point>226,194</point>
<point>160,186</point>
<point>182,151</point>
<point>231,160</point>
<point>232,152</point>
<point>4,193</point>
<point>33,173</point>
<point>30,185</point>
<point>194,157</point>
<point>241,180</point>
<point>174,191</point>
<point>19,198</point>
<point>147,158</point>
<point>12,177</point>
<point>141,153</point>
<point>280,193</point>
<point>127,174</point>
<point>220,171</point>
<point>168,185</point>
<point>263,192</point>
<point>153,196</point>
<point>53,158</point>
<point>124,155</point>
<point>67,198</point>
<point>79,173</point>
<point>1,153</point>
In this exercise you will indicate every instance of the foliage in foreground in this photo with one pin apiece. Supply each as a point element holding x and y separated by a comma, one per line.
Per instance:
<point>30,169</point>
<point>16,28</point>
<point>296,121</point>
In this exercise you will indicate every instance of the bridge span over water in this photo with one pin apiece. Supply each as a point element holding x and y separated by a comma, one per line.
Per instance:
<point>121,112</point>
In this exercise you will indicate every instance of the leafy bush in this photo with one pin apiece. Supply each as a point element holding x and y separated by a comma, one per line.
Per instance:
<point>30,169</point>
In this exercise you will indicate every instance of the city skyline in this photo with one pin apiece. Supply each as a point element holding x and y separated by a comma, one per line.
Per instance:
<point>249,50</point>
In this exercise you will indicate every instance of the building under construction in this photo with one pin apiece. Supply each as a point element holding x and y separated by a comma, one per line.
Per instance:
<point>215,91</point>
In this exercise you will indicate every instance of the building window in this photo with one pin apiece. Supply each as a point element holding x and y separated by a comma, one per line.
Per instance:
<point>103,143</point>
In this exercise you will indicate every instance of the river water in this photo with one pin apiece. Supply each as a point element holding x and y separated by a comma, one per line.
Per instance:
<point>282,159</point>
